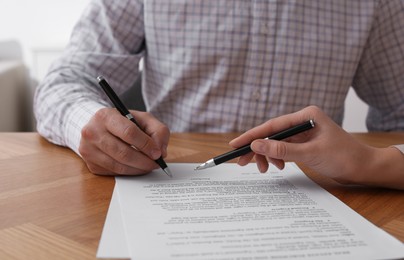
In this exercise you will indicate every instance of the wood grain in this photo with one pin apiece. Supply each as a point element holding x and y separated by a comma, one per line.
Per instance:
<point>52,207</point>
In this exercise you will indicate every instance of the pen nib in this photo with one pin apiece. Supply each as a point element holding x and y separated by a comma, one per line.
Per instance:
<point>200,167</point>
<point>205,165</point>
<point>168,172</point>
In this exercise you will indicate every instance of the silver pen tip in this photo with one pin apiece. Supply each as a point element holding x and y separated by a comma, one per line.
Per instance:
<point>168,172</point>
<point>201,167</point>
<point>100,78</point>
<point>207,164</point>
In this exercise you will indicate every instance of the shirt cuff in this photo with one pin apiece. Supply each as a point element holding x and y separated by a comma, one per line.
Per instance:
<point>79,116</point>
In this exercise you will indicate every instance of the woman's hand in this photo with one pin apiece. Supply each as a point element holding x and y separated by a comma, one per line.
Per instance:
<point>326,149</point>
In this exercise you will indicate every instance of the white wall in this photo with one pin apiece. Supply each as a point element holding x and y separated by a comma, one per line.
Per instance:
<point>355,113</point>
<point>43,28</point>
<point>39,24</point>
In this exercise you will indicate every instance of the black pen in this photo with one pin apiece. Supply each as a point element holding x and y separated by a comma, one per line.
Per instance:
<point>247,148</point>
<point>125,112</point>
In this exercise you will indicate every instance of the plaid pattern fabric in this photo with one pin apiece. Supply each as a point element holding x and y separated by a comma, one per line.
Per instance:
<point>229,65</point>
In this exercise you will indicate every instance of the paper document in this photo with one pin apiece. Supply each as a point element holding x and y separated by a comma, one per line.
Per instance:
<point>233,212</point>
<point>113,243</point>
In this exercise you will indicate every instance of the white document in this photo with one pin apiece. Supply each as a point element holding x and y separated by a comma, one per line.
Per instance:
<point>233,212</point>
<point>113,243</point>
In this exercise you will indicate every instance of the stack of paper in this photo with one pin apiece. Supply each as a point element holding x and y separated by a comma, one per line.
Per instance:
<point>233,212</point>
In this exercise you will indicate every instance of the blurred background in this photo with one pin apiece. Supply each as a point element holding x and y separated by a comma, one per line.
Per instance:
<point>33,34</point>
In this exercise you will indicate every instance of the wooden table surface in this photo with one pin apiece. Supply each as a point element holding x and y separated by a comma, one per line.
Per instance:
<point>52,207</point>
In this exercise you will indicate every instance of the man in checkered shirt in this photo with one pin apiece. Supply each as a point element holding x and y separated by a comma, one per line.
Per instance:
<point>226,66</point>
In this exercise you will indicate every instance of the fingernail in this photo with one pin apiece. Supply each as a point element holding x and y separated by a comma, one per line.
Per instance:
<point>258,146</point>
<point>260,168</point>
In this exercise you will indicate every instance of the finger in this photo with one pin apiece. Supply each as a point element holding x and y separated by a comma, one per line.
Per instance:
<point>280,164</point>
<point>130,133</point>
<point>101,164</point>
<point>124,153</point>
<point>245,159</point>
<point>282,150</point>
<point>276,125</point>
<point>158,131</point>
<point>262,163</point>
<point>95,141</point>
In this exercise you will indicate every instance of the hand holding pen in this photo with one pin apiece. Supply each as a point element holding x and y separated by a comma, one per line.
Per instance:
<point>125,112</point>
<point>326,149</point>
<point>112,144</point>
<point>294,130</point>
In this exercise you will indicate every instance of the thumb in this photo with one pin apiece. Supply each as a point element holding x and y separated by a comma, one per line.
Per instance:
<point>277,149</point>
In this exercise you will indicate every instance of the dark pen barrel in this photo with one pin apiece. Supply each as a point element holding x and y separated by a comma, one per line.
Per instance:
<point>112,96</point>
<point>292,131</point>
<point>232,154</point>
<point>278,136</point>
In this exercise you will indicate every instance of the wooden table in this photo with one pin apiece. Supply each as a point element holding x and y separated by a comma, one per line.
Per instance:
<point>52,207</point>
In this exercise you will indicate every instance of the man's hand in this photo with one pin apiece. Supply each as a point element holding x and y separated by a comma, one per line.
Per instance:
<point>113,145</point>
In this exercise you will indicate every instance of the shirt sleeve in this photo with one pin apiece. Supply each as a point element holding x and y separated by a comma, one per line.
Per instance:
<point>108,40</point>
<point>380,73</point>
